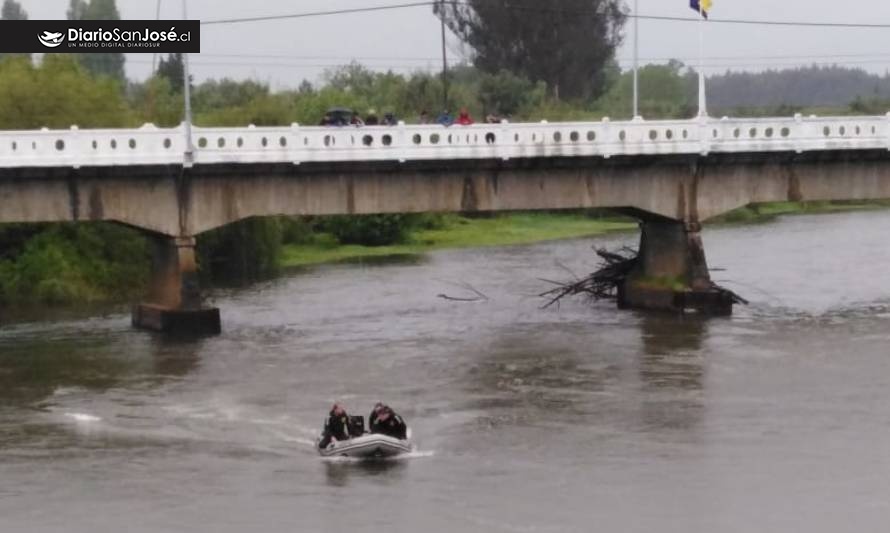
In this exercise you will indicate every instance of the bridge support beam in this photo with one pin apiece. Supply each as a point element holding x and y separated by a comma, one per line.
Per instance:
<point>174,299</point>
<point>672,273</point>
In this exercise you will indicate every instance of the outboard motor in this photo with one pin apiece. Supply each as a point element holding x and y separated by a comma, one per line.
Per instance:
<point>356,425</point>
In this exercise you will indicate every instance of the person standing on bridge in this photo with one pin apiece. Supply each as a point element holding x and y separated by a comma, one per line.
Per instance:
<point>445,119</point>
<point>464,119</point>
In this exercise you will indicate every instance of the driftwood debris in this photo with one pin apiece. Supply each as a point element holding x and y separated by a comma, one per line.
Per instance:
<point>602,284</point>
<point>466,286</point>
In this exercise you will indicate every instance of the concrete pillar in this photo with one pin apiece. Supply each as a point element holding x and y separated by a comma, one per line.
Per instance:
<point>672,272</point>
<point>174,295</point>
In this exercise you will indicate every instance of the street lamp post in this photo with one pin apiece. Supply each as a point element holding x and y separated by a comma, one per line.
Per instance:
<point>189,147</point>
<point>444,59</point>
<point>636,59</point>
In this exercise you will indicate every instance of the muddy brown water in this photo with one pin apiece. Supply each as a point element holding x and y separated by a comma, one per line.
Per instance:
<point>580,418</point>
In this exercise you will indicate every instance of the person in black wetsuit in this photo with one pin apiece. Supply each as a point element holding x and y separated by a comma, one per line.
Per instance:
<point>336,426</point>
<point>385,421</point>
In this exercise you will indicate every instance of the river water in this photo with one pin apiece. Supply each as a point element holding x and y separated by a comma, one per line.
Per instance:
<point>580,418</point>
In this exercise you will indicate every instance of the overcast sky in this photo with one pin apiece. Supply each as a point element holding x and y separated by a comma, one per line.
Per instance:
<point>285,52</point>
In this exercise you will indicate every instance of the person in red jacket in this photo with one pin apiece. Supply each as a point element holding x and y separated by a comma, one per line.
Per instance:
<point>464,119</point>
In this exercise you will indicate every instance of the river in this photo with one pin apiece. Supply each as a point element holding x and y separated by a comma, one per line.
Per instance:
<point>581,418</point>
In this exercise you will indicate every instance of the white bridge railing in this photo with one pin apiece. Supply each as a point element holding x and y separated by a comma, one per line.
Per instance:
<point>296,144</point>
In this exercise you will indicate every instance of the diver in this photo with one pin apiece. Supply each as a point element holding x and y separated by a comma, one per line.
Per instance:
<point>384,421</point>
<point>336,426</point>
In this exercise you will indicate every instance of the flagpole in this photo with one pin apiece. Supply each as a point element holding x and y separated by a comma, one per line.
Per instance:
<point>636,59</point>
<point>702,103</point>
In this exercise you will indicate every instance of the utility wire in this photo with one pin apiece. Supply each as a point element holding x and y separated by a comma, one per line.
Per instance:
<point>430,3</point>
<point>318,13</point>
<point>431,58</point>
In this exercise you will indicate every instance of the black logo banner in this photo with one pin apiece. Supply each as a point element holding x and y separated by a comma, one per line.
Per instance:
<point>100,36</point>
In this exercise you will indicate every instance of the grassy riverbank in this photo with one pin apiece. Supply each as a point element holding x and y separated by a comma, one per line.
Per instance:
<point>526,228</point>
<point>462,232</point>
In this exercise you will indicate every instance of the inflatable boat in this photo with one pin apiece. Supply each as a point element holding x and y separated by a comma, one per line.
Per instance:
<point>367,446</point>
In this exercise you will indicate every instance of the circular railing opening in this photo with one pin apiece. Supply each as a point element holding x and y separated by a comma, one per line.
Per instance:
<point>387,140</point>
<point>60,145</point>
<point>202,142</point>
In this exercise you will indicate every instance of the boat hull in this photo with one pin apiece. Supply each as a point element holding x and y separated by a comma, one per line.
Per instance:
<point>367,447</point>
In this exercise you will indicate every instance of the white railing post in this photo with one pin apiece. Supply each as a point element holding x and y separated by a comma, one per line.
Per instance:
<point>294,145</point>
<point>887,129</point>
<point>403,143</point>
<point>505,142</point>
<point>798,133</point>
<point>607,140</point>
<point>704,138</point>
<point>75,149</point>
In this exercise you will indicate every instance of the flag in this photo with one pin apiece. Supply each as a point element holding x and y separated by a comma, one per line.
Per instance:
<point>703,8</point>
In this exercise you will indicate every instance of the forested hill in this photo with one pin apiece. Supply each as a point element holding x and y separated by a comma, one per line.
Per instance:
<point>800,87</point>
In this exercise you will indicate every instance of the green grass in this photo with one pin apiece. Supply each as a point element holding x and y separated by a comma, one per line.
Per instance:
<point>525,228</point>
<point>461,232</point>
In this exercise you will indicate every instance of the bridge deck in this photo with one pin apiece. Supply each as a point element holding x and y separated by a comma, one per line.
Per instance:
<point>296,144</point>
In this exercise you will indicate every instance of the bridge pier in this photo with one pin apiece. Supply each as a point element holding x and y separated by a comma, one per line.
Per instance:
<point>672,273</point>
<point>174,298</point>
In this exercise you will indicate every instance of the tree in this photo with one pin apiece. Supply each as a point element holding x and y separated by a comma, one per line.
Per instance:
<point>57,94</point>
<point>77,9</point>
<point>110,65</point>
<point>173,70</point>
<point>12,10</point>
<point>565,43</point>
<point>504,93</point>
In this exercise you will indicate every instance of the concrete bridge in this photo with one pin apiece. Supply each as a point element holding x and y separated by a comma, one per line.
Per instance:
<point>671,175</point>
